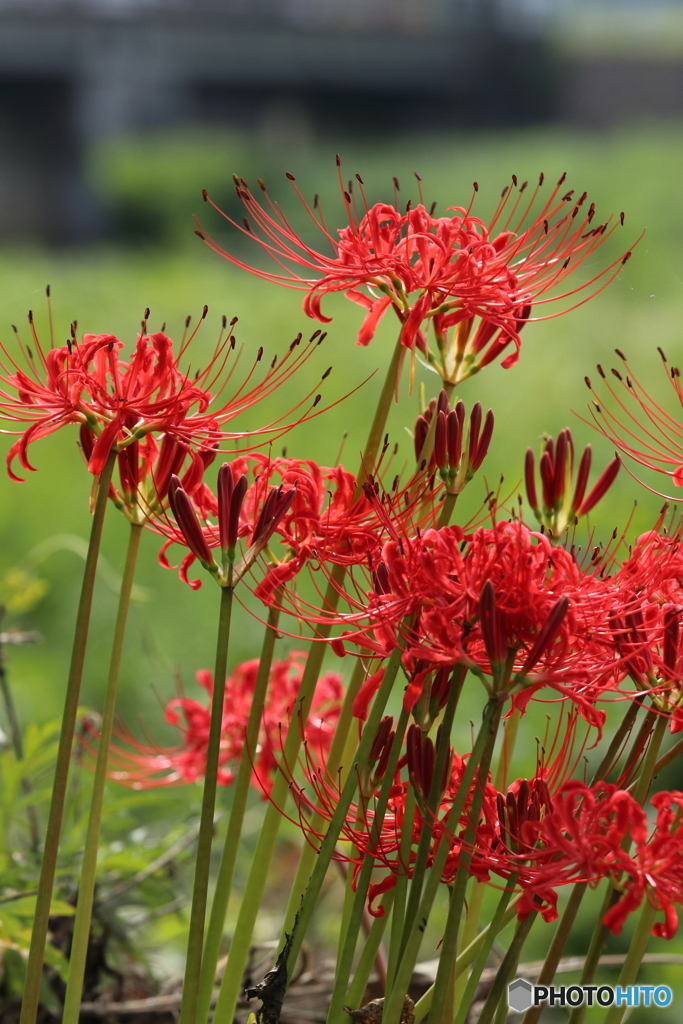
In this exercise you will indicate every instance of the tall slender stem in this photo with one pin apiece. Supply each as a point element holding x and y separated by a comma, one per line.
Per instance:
<point>506,969</point>
<point>34,967</point>
<point>369,953</point>
<point>480,758</point>
<point>427,832</point>
<point>188,1006</point>
<point>443,993</point>
<point>214,932</point>
<point>86,888</point>
<point>465,958</point>
<point>329,842</point>
<point>467,995</point>
<point>348,945</point>
<point>401,886</point>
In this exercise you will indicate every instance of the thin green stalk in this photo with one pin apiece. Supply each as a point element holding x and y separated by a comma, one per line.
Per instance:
<point>441,1011</point>
<point>634,958</point>
<point>34,967</point>
<point>426,834</point>
<point>473,907</point>
<point>369,953</point>
<point>447,510</point>
<point>499,988</point>
<point>188,1006</point>
<point>86,887</point>
<point>258,873</point>
<point>464,959</point>
<point>379,421</point>
<point>481,755</point>
<point>350,935</point>
<point>401,886</point>
<point>470,989</point>
<point>219,907</point>
<point>600,932</point>
<point>335,760</point>
<point>570,911</point>
<point>329,842</point>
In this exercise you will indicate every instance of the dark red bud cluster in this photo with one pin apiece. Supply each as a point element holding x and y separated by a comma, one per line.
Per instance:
<point>380,751</point>
<point>558,507</point>
<point>422,761</point>
<point>515,811</point>
<point>275,508</point>
<point>230,495</point>
<point>459,447</point>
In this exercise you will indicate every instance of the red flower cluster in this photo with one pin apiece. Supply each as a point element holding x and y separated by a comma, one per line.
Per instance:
<point>118,403</point>
<point>449,270</point>
<point>144,766</point>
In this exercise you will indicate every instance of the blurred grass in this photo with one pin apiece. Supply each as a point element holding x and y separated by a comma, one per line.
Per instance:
<point>151,188</point>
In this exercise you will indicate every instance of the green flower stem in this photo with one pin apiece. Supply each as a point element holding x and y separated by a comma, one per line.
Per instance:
<point>634,957</point>
<point>350,934</point>
<point>219,907</point>
<point>473,907</point>
<point>442,1001</point>
<point>188,1007</point>
<point>478,889</point>
<point>612,894</point>
<point>369,953</point>
<point>335,759</point>
<point>379,422</point>
<point>34,967</point>
<point>498,990</point>
<point>86,887</point>
<point>426,835</point>
<point>481,755</point>
<point>464,959</point>
<point>328,844</point>
<point>258,873</point>
<point>401,887</point>
<point>464,999</point>
<point>566,922</point>
<point>447,510</point>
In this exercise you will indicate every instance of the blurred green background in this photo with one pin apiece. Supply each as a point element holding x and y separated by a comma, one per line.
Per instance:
<point>151,187</point>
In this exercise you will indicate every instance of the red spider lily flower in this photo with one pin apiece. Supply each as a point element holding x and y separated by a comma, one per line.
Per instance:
<point>637,424</point>
<point>659,857</point>
<point>119,402</point>
<point>559,506</point>
<point>147,766</point>
<point>452,270</point>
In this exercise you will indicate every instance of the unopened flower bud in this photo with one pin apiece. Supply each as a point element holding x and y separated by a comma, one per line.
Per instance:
<point>548,632</point>
<point>187,522</point>
<point>601,488</point>
<point>495,640</point>
<point>671,640</point>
